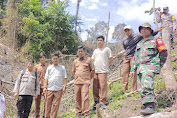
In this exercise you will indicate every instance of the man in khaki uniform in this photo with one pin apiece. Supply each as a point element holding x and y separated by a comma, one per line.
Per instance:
<point>55,86</point>
<point>83,71</point>
<point>102,58</point>
<point>40,69</point>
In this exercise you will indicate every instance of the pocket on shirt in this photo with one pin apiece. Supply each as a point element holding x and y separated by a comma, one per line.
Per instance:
<point>86,66</point>
<point>24,79</point>
<point>150,50</point>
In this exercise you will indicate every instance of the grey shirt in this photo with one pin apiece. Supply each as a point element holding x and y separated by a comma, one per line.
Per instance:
<point>26,84</point>
<point>55,76</point>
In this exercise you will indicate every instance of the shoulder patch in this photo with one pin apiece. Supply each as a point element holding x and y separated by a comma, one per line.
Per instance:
<point>160,45</point>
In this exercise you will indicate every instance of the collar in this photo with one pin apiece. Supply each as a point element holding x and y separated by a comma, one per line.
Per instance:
<point>81,59</point>
<point>42,64</point>
<point>55,66</point>
<point>149,38</point>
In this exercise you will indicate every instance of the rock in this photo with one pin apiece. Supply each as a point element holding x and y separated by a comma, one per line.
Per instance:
<point>172,114</point>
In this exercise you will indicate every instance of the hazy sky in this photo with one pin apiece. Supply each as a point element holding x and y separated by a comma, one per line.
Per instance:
<point>130,12</point>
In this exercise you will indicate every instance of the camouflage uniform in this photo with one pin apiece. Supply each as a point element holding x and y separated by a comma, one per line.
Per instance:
<point>149,57</point>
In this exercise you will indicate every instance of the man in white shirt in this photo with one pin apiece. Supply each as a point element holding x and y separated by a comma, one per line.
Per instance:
<point>102,58</point>
<point>55,86</point>
<point>2,103</point>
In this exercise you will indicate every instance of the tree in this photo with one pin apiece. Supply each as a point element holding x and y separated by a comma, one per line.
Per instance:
<point>46,29</point>
<point>100,28</point>
<point>167,73</point>
<point>2,2</point>
<point>119,33</point>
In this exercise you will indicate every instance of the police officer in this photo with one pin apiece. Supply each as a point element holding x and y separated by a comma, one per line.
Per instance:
<point>165,18</point>
<point>26,86</point>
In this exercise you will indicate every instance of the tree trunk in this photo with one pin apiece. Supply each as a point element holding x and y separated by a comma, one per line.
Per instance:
<point>12,20</point>
<point>167,72</point>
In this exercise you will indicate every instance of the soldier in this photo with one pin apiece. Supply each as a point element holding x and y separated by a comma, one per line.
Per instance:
<point>129,44</point>
<point>40,69</point>
<point>83,71</point>
<point>26,86</point>
<point>150,56</point>
<point>166,18</point>
<point>102,58</point>
<point>55,86</point>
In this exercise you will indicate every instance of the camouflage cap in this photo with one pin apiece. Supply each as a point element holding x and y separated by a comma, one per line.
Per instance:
<point>145,25</point>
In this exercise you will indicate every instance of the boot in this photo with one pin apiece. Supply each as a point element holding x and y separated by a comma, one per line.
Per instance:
<point>149,109</point>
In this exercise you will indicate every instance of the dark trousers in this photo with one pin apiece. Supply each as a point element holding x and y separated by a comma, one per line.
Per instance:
<point>24,103</point>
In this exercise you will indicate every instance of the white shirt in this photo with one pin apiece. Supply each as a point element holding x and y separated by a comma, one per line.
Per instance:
<point>101,59</point>
<point>2,106</point>
<point>55,76</point>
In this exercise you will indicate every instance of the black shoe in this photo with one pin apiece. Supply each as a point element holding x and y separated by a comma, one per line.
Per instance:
<point>94,106</point>
<point>149,109</point>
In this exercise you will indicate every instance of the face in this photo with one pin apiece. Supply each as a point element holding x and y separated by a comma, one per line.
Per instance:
<point>100,42</point>
<point>55,60</point>
<point>146,32</point>
<point>30,65</point>
<point>128,32</point>
<point>165,10</point>
<point>42,59</point>
<point>81,52</point>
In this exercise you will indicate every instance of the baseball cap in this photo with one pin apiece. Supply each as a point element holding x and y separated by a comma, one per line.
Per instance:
<point>127,27</point>
<point>165,7</point>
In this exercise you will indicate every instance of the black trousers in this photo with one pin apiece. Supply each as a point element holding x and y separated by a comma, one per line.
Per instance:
<point>24,103</point>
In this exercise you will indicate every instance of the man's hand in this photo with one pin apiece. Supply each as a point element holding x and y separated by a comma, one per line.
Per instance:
<point>174,31</point>
<point>160,29</point>
<point>35,97</point>
<point>64,90</point>
<point>132,74</point>
<point>15,95</point>
<point>44,90</point>
<point>95,76</point>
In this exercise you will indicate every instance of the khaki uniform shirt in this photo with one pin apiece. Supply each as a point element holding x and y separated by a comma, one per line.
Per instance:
<point>41,70</point>
<point>26,84</point>
<point>82,70</point>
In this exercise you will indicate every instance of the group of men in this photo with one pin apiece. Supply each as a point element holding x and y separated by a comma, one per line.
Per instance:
<point>50,81</point>
<point>43,80</point>
<point>144,57</point>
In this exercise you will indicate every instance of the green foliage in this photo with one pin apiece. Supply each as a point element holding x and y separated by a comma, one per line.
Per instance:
<point>2,15</point>
<point>46,29</point>
<point>67,115</point>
